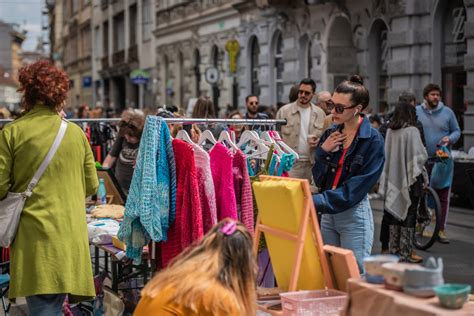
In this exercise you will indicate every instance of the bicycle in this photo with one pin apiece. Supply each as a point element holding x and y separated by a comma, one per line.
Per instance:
<point>428,221</point>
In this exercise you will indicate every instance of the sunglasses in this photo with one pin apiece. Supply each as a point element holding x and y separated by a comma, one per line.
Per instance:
<point>253,103</point>
<point>304,92</point>
<point>339,108</point>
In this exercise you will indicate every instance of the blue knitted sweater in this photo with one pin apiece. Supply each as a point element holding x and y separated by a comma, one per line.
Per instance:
<point>151,203</point>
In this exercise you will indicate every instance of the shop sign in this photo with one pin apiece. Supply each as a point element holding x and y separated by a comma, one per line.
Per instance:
<point>139,76</point>
<point>87,81</point>
<point>233,48</point>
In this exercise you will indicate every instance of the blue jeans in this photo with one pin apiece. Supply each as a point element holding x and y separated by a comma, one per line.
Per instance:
<point>352,229</point>
<point>46,305</point>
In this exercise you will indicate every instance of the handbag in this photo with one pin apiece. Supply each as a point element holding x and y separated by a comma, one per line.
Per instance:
<point>442,173</point>
<point>12,205</point>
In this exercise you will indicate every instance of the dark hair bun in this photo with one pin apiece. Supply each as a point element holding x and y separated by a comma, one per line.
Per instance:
<point>356,79</point>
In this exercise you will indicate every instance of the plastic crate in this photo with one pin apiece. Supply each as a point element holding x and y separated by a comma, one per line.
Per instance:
<point>313,303</point>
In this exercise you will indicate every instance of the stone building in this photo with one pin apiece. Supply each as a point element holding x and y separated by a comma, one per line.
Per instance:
<point>123,45</point>
<point>395,45</point>
<point>11,38</point>
<point>71,46</point>
<point>227,49</point>
<point>194,43</point>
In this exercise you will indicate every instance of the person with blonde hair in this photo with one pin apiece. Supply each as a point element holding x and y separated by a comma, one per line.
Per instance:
<point>215,277</point>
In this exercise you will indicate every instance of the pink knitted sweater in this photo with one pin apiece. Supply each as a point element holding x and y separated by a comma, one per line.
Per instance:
<point>187,226</point>
<point>243,190</point>
<point>207,194</point>
<point>221,167</point>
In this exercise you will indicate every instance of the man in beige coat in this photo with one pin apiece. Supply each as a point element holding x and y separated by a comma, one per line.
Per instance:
<point>305,124</point>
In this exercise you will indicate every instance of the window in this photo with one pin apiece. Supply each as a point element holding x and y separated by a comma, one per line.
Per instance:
<point>105,38</point>
<point>254,66</point>
<point>75,6</point>
<point>133,25</point>
<point>197,73</point>
<point>147,23</point>
<point>309,60</point>
<point>97,42</point>
<point>279,67</point>
<point>86,41</point>
<point>119,32</point>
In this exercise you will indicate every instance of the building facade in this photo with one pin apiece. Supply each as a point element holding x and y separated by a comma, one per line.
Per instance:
<point>123,44</point>
<point>11,38</point>
<point>197,52</point>
<point>71,46</point>
<point>227,49</point>
<point>394,45</point>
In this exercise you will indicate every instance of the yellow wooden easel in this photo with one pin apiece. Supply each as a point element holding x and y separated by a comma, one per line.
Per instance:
<point>287,218</point>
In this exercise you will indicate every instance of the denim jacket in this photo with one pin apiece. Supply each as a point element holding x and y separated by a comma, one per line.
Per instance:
<point>361,170</point>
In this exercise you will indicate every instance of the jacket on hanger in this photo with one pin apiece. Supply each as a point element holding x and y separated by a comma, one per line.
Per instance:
<point>221,167</point>
<point>207,195</point>
<point>243,190</point>
<point>151,202</point>
<point>188,225</point>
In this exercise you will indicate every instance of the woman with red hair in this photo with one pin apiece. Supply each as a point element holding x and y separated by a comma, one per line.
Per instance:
<point>50,255</point>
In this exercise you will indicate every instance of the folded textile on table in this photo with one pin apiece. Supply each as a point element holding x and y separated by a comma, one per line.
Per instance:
<point>114,211</point>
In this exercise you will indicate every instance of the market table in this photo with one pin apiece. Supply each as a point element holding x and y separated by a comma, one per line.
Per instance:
<point>373,299</point>
<point>118,265</point>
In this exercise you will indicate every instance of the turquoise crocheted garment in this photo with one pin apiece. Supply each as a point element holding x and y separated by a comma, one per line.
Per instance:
<point>151,202</point>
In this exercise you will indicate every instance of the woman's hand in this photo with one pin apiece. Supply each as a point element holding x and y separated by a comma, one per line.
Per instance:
<point>333,141</point>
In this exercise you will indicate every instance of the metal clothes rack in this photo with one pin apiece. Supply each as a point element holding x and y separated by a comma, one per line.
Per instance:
<point>183,121</point>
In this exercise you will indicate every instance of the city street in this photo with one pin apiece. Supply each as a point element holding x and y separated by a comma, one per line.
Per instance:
<point>458,256</point>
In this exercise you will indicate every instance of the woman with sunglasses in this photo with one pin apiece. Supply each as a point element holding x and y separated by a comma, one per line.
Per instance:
<point>125,149</point>
<point>349,161</point>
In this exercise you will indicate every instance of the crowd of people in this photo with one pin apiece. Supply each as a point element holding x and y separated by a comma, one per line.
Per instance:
<point>343,153</point>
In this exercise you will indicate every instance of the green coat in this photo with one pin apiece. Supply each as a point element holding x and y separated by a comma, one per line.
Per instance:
<point>50,253</point>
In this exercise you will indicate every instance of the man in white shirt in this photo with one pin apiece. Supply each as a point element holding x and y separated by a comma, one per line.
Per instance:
<point>305,124</point>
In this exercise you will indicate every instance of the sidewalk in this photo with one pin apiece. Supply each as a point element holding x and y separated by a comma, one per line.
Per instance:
<point>458,256</point>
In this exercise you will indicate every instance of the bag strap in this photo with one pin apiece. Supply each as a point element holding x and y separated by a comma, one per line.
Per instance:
<point>47,159</point>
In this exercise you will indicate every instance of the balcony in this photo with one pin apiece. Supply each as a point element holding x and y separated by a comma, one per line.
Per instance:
<point>105,62</point>
<point>133,54</point>
<point>118,57</point>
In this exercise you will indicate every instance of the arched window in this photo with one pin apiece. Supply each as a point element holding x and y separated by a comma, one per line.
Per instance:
<point>305,57</point>
<point>181,79</point>
<point>279,67</point>
<point>215,87</point>
<point>309,60</point>
<point>197,74</point>
<point>254,66</point>
<point>377,68</point>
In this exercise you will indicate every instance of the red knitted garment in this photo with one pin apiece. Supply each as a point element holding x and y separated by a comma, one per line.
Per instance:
<point>221,168</point>
<point>188,225</point>
<point>243,190</point>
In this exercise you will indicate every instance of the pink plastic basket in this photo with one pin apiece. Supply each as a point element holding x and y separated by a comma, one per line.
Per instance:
<point>313,303</point>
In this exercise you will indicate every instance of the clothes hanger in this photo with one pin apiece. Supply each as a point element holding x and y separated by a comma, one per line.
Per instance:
<point>206,136</point>
<point>225,136</point>
<point>247,136</point>
<point>277,139</point>
<point>183,135</point>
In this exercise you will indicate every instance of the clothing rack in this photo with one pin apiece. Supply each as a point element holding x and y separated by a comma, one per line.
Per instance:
<point>183,121</point>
